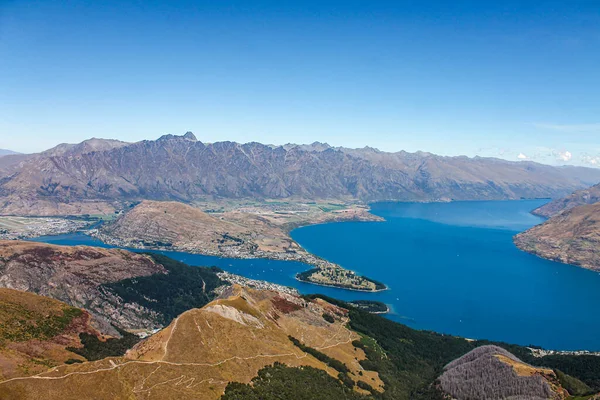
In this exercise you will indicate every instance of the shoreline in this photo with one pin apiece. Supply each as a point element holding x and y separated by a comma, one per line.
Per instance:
<point>387,311</point>
<point>242,252</point>
<point>307,258</point>
<point>342,287</point>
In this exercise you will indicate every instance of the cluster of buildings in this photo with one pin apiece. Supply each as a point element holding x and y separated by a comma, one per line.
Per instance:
<point>542,353</point>
<point>25,228</point>
<point>255,284</point>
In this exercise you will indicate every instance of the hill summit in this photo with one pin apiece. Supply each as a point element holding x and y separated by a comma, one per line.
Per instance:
<point>201,351</point>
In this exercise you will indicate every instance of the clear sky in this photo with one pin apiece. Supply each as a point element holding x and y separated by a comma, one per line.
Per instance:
<point>513,79</point>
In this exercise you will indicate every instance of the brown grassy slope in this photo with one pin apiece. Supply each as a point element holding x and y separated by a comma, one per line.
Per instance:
<point>195,357</point>
<point>190,229</point>
<point>35,332</point>
<point>73,273</point>
<point>183,227</point>
<point>572,237</point>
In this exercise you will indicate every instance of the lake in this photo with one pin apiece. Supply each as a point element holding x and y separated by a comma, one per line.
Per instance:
<point>450,268</point>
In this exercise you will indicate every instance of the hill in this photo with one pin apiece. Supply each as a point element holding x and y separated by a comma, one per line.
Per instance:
<point>100,179</point>
<point>490,372</point>
<point>121,289</point>
<point>241,234</point>
<point>579,198</point>
<point>36,333</point>
<point>318,347</point>
<point>74,275</point>
<point>169,224</point>
<point>571,237</point>
<point>230,339</point>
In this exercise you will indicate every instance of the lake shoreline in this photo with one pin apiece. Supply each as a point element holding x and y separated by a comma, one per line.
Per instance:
<point>308,258</point>
<point>448,267</point>
<point>341,287</point>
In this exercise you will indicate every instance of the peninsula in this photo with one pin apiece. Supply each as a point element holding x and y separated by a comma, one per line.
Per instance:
<point>571,237</point>
<point>255,230</point>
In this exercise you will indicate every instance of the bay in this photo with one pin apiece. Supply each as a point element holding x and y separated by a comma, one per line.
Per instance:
<point>450,267</point>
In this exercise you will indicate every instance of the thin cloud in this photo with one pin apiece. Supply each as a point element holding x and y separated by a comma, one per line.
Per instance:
<point>564,155</point>
<point>569,128</point>
<point>591,160</point>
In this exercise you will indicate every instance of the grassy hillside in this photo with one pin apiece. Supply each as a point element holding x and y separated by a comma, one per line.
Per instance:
<point>327,349</point>
<point>35,332</point>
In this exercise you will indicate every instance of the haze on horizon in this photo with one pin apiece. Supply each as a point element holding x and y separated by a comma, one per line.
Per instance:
<point>511,80</point>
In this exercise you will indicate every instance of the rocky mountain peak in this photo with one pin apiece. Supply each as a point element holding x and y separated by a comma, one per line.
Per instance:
<point>187,136</point>
<point>190,136</point>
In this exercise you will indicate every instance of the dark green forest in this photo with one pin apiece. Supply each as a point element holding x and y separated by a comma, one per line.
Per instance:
<point>409,361</point>
<point>279,382</point>
<point>184,287</point>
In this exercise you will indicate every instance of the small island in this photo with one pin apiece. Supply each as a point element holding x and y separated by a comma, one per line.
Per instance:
<point>371,306</point>
<point>332,275</point>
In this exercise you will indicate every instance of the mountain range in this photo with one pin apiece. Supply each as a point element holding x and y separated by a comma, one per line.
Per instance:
<point>99,176</point>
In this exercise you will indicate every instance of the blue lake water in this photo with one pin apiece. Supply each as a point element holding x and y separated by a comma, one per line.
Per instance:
<point>450,267</point>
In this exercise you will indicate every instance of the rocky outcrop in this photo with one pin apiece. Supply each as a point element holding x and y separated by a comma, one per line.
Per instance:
<point>571,237</point>
<point>104,176</point>
<point>75,275</point>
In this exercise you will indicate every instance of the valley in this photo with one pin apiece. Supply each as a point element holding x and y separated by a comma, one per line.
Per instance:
<point>13,227</point>
<point>582,197</point>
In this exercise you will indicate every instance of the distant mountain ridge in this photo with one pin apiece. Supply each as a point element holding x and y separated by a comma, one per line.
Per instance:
<point>87,146</point>
<point>98,176</point>
<point>5,152</point>
<point>579,198</point>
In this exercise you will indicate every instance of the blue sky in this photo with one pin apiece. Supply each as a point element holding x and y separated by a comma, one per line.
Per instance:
<point>502,78</point>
